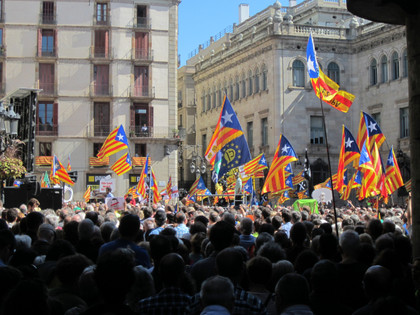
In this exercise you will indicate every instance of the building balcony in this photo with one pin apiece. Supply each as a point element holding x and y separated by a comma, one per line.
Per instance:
<point>47,19</point>
<point>95,162</point>
<point>144,55</point>
<point>98,131</point>
<point>100,90</point>
<point>142,23</point>
<point>138,161</point>
<point>101,20</point>
<point>152,132</point>
<point>49,130</point>
<point>47,52</point>
<point>99,52</point>
<point>48,89</point>
<point>143,92</point>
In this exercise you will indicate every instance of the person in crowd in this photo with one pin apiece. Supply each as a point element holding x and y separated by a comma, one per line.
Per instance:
<point>217,296</point>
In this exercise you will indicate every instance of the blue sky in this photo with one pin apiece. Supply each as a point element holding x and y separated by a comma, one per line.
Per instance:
<point>198,20</point>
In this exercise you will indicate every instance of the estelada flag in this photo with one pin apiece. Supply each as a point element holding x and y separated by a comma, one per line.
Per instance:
<point>122,165</point>
<point>86,195</point>
<point>141,185</point>
<point>393,178</point>
<point>115,142</point>
<point>369,132</point>
<point>325,88</point>
<point>59,172</point>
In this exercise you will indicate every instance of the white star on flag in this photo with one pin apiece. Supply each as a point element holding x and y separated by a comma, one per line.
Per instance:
<point>311,66</point>
<point>372,126</point>
<point>227,117</point>
<point>120,137</point>
<point>391,161</point>
<point>348,143</point>
<point>285,149</point>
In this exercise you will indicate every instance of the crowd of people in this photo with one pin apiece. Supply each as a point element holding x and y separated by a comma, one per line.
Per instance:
<point>199,259</point>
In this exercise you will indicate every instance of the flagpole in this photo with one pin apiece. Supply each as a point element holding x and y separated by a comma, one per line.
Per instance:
<point>329,163</point>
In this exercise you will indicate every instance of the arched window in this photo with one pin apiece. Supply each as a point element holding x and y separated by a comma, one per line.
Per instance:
<point>264,78</point>
<point>237,88</point>
<point>334,72</point>
<point>373,72</point>
<point>257,81</point>
<point>243,86</point>
<point>298,73</point>
<point>405,63</point>
<point>250,84</point>
<point>395,70</point>
<point>384,69</point>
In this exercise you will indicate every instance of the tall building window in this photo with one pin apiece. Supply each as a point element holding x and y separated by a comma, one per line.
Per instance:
<point>47,118</point>
<point>142,45</point>
<point>45,149</point>
<point>46,78</point>
<point>264,131</point>
<point>243,86</point>
<point>208,99</point>
<point>140,149</point>
<point>377,117</point>
<point>101,117</point>
<point>334,72</point>
<point>264,78</point>
<point>203,144</point>
<point>203,102</point>
<point>48,12</point>
<point>214,97</point>
<point>96,147</point>
<point>250,133</point>
<point>405,63</point>
<point>1,11</point>
<point>141,116</point>
<point>404,128</point>
<point>298,73</point>
<point>250,83</point>
<point>101,13</point>
<point>46,45</point>
<point>141,16</point>
<point>395,66</point>
<point>219,96</point>
<point>373,72</point>
<point>317,132</point>
<point>101,43</point>
<point>141,81</point>
<point>384,69</point>
<point>237,88</point>
<point>101,79</point>
<point>257,80</point>
<point>231,90</point>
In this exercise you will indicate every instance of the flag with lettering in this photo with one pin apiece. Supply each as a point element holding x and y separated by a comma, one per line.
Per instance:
<point>284,155</point>
<point>122,165</point>
<point>393,178</point>
<point>325,88</point>
<point>59,172</point>
<point>115,142</point>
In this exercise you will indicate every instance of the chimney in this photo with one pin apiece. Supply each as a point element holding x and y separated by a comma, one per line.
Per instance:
<point>243,12</point>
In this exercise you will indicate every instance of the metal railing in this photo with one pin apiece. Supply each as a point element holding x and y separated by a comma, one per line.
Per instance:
<point>98,89</point>
<point>47,88</point>
<point>47,18</point>
<point>142,22</point>
<point>99,52</point>
<point>101,19</point>
<point>142,54</point>
<point>47,52</point>
<point>46,129</point>
<point>95,130</point>
<point>142,91</point>
<point>152,132</point>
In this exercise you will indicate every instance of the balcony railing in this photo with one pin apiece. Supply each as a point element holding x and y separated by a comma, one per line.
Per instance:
<point>95,162</point>
<point>143,54</point>
<point>99,52</point>
<point>47,52</point>
<point>47,88</point>
<point>101,19</point>
<point>47,130</point>
<point>142,91</point>
<point>152,132</point>
<point>48,18</point>
<point>42,160</point>
<point>142,22</point>
<point>100,89</point>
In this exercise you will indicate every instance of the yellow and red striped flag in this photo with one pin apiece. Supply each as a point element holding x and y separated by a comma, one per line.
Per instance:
<point>69,165</point>
<point>369,179</point>
<point>122,165</point>
<point>59,172</point>
<point>393,178</point>
<point>86,195</point>
<point>369,131</point>
<point>115,142</point>
<point>408,185</point>
<point>154,187</point>
<point>254,166</point>
<point>141,185</point>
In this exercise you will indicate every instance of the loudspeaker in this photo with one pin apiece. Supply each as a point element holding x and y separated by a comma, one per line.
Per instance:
<point>49,198</point>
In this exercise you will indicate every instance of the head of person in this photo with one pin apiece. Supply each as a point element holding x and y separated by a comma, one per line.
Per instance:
<point>292,289</point>
<point>230,264</point>
<point>129,226</point>
<point>33,203</point>
<point>160,218</point>
<point>171,269</point>
<point>221,235</point>
<point>218,290</point>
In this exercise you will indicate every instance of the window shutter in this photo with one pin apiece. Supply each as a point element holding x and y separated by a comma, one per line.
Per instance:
<point>55,119</point>
<point>150,116</point>
<point>39,43</point>
<point>106,44</point>
<point>55,43</point>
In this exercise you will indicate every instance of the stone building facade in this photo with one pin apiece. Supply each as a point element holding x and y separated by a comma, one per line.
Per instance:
<point>100,64</point>
<point>261,66</point>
